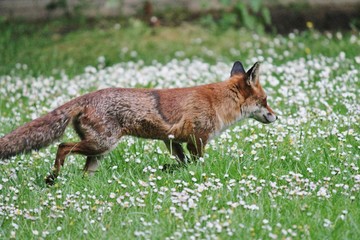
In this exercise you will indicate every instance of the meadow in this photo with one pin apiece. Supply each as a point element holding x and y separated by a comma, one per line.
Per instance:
<point>297,178</point>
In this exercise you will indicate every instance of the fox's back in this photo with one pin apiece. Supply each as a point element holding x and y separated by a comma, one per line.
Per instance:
<point>148,113</point>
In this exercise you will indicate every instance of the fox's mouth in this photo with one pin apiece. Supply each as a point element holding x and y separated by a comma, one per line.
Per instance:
<point>266,120</point>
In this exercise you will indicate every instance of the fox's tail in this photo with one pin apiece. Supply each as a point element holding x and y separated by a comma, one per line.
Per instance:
<point>35,134</point>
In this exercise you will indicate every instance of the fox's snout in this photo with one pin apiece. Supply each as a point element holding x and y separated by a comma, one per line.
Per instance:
<point>265,115</point>
<point>269,116</point>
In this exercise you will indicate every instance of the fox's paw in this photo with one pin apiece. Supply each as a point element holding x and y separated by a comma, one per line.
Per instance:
<point>50,180</point>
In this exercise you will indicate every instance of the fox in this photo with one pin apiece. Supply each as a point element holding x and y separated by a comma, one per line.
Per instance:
<point>177,116</point>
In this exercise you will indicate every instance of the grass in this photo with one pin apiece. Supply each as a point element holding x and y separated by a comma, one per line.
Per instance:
<point>295,179</point>
<point>44,47</point>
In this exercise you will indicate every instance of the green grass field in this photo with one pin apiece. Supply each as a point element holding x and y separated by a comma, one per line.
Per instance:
<point>298,178</point>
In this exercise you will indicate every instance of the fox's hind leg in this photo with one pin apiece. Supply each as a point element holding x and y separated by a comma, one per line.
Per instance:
<point>85,147</point>
<point>98,135</point>
<point>92,163</point>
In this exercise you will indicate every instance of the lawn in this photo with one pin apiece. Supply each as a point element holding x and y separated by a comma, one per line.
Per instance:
<point>298,178</point>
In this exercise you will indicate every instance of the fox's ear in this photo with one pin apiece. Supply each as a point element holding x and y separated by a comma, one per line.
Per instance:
<point>237,69</point>
<point>253,74</point>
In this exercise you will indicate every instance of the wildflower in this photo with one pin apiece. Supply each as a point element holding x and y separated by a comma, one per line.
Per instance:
<point>327,223</point>
<point>273,236</point>
<point>343,214</point>
<point>309,25</point>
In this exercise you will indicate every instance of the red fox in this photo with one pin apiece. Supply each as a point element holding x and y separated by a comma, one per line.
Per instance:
<point>191,115</point>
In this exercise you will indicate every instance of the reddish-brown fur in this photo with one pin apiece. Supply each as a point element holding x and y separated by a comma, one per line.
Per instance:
<point>188,115</point>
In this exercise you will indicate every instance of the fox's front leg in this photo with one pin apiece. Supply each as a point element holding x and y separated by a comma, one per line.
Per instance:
<point>176,150</point>
<point>196,147</point>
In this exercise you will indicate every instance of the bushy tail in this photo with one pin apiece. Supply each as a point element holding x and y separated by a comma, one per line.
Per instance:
<point>35,134</point>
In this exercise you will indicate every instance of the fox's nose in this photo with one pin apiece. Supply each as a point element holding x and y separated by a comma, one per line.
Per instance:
<point>272,114</point>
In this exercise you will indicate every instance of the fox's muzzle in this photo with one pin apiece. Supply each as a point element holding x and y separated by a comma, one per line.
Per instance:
<point>269,118</point>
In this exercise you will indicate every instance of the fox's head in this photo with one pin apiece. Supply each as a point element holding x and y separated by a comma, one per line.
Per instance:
<point>255,104</point>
